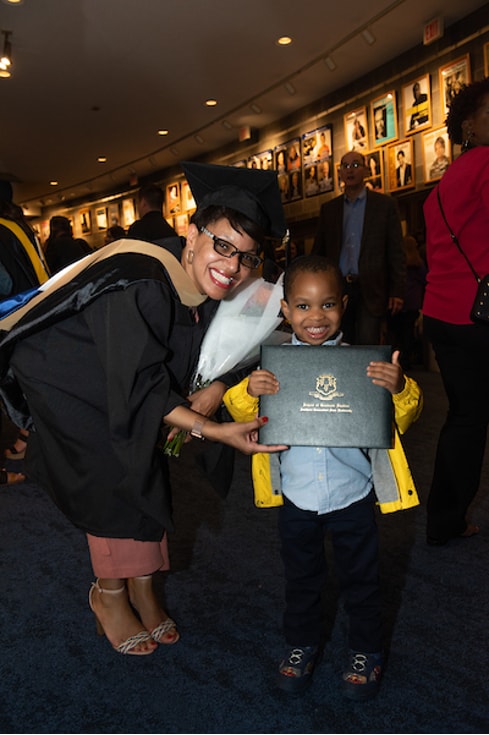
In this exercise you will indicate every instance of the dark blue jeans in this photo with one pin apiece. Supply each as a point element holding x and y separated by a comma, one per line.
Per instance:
<point>462,354</point>
<point>355,544</point>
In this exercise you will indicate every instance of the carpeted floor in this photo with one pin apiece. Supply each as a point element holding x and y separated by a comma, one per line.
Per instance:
<point>225,591</point>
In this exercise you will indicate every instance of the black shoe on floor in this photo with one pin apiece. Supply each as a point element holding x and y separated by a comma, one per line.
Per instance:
<point>296,669</point>
<point>361,679</point>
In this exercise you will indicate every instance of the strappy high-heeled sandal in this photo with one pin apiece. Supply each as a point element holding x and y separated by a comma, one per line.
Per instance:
<point>11,478</point>
<point>14,453</point>
<point>165,632</point>
<point>127,646</point>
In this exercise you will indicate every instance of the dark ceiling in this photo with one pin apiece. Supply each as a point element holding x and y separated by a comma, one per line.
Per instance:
<point>100,77</point>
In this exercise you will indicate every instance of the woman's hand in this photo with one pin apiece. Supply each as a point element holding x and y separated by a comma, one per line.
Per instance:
<point>388,374</point>
<point>241,436</point>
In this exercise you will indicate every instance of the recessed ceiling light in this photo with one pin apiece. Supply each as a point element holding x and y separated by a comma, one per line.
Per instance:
<point>211,102</point>
<point>163,132</point>
<point>102,159</point>
<point>54,183</point>
<point>13,2</point>
<point>284,40</point>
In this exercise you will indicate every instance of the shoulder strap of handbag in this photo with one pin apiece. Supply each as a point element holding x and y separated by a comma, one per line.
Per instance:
<point>455,239</point>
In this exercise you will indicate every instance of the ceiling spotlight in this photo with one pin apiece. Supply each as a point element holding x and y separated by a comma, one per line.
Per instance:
<point>290,87</point>
<point>163,132</point>
<point>53,183</point>
<point>330,63</point>
<point>102,159</point>
<point>6,58</point>
<point>211,102</point>
<point>13,2</point>
<point>284,40</point>
<point>368,36</point>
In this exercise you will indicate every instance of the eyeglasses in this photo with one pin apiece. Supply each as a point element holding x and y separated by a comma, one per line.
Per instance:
<point>248,260</point>
<point>354,164</point>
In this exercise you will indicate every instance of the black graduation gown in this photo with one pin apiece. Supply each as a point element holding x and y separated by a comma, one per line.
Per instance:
<point>98,378</point>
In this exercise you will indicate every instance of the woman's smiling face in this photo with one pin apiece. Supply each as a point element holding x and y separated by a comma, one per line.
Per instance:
<point>212,273</point>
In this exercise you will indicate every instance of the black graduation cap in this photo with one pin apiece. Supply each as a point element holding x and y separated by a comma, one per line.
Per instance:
<point>250,191</point>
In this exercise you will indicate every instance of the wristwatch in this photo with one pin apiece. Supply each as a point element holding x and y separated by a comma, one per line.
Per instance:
<point>196,429</point>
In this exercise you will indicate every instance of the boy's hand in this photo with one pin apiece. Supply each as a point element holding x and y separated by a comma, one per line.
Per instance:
<point>262,382</point>
<point>388,374</point>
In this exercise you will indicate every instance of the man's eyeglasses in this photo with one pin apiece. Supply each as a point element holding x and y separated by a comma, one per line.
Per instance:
<point>354,164</point>
<point>248,260</point>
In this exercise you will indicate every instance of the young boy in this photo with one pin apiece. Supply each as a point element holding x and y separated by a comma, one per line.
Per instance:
<point>330,489</point>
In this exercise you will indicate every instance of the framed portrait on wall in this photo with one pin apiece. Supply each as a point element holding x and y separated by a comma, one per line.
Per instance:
<point>280,159</point>
<point>85,221</point>
<point>317,145</point>
<point>293,157</point>
<point>101,218</point>
<point>437,154</point>
<point>400,165</point>
<point>173,204</point>
<point>356,130</point>
<point>384,118</point>
<point>486,59</point>
<point>374,161</point>
<point>452,76</point>
<point>113,214</point>
<point>188,201</point>
<point>128,212</point>
<point>416,103</point>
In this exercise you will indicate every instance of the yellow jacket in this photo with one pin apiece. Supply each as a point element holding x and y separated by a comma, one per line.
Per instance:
<point>392,479</point>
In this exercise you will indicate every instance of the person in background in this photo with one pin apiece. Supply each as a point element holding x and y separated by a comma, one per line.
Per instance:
<point>115,232</point>
<point>22,267</point>
<point>361,232</point>
<point>104,356</point>
<point>328,490</point>
<point>61,248</point>
<point>461,347</point>
<point>151,225</point>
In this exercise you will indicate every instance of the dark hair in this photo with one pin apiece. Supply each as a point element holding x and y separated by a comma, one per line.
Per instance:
<point>465,104</point>
<point>59,225</point>
<point>153,195</point>
<point>311,264</point>
<point>116,231</point>
<point>238,221</point>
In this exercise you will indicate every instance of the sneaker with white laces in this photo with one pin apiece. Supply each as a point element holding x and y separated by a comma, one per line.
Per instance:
<point>361,680</point>
<point>296,668</point>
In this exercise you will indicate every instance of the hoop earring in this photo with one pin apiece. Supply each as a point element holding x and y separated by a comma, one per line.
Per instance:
<point>190,257</point>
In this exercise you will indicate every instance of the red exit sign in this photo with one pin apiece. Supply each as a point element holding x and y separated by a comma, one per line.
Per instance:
<point>433,30</point>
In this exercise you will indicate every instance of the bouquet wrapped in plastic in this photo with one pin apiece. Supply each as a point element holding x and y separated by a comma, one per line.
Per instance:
<point>241,324</point>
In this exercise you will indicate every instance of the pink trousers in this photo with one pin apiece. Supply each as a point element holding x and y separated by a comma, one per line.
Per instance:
<point>120,558</point>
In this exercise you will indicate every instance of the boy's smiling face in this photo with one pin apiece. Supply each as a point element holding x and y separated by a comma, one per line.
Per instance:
<point>315,306</point>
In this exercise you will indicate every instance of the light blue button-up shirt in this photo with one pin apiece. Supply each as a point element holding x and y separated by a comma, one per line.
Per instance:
<point>324,479</point>
<point>353,216</point>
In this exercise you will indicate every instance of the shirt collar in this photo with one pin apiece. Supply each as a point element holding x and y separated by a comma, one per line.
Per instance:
<point>334,341</point>
<point>360,197</point>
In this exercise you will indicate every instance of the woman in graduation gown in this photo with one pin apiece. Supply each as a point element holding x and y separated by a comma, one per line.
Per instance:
<point>95,362</point>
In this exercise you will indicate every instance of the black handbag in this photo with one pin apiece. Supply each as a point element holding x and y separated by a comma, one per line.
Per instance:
<point>480,307</point>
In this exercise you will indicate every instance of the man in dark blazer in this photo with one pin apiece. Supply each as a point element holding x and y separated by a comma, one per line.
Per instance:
<point>361,232</point>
